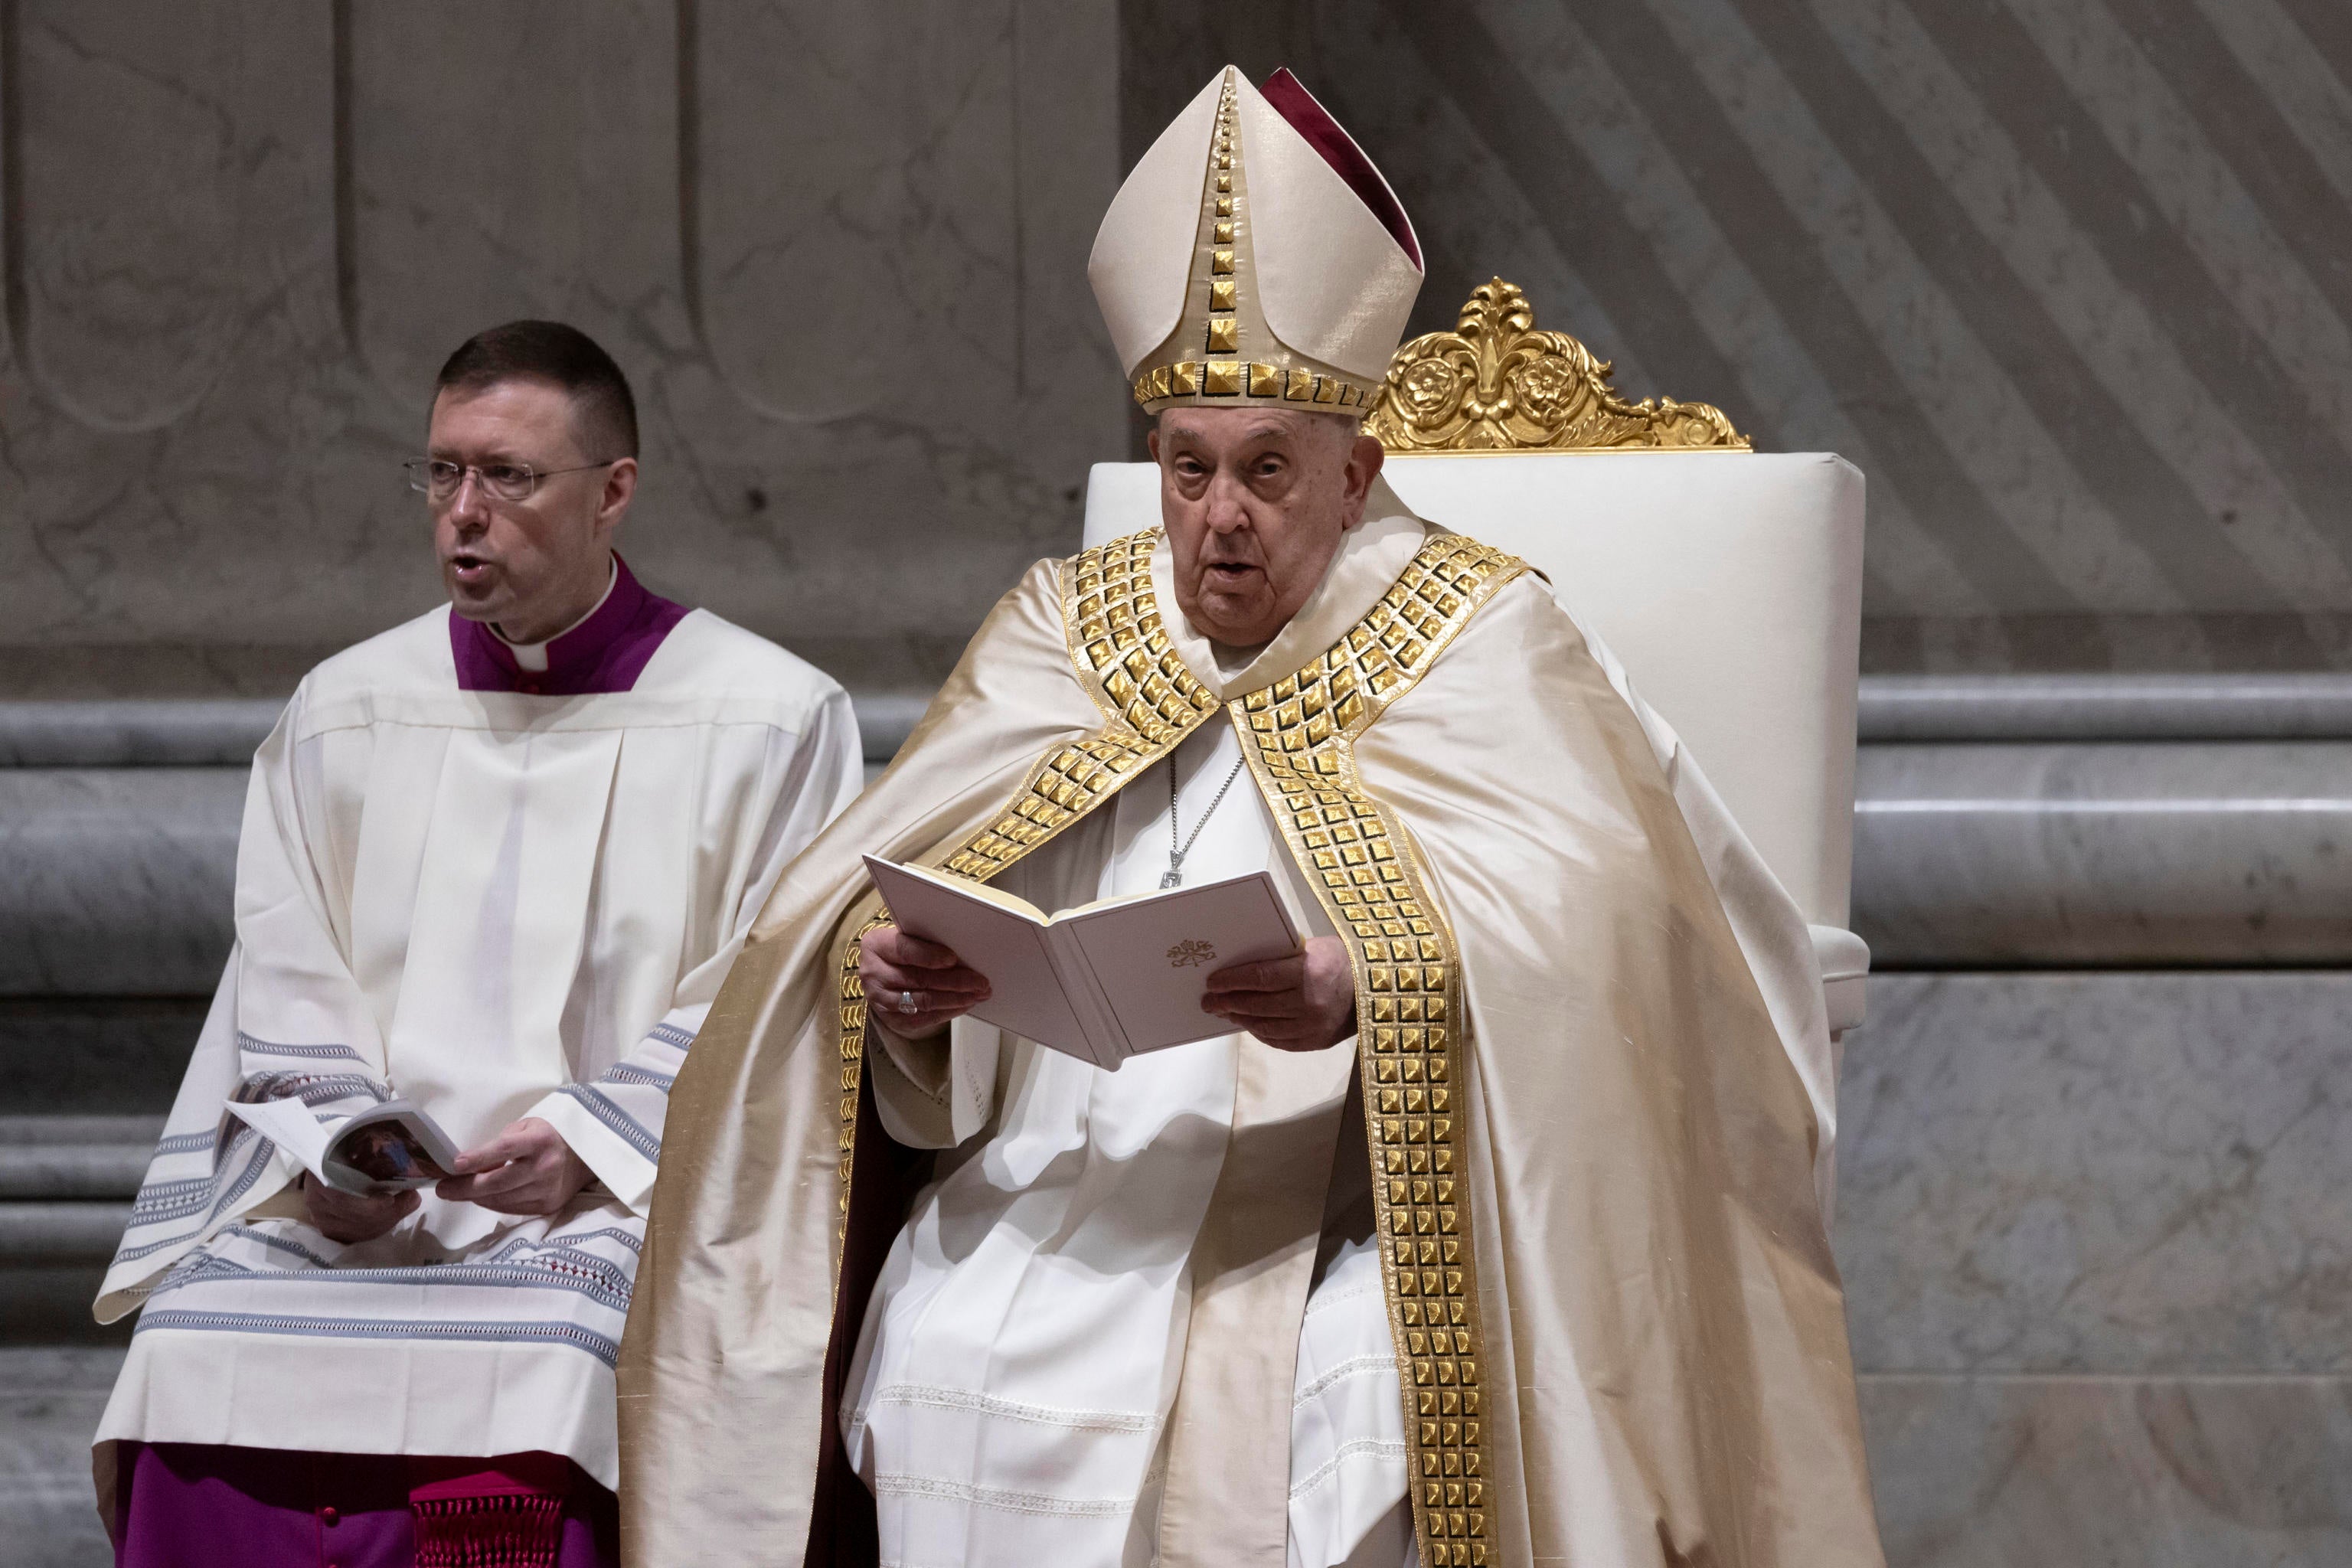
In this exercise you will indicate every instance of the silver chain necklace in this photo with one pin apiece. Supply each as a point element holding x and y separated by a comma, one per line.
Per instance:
<point>1174,876</point>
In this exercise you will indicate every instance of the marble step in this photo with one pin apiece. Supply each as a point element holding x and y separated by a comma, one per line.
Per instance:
<point>50,1234</point>
<point>1974,708</point>
<point>66,1185</point>
<point>173,733</point>
<point>81,1055</point>
<point>53,1157</point>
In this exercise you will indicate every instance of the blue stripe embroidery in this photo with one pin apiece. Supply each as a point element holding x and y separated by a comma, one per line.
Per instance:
<point>671,1034</point>
<point>626,1073</point>
<point>263,1153</point>
<point>246,1042</point>
<point>185,1142</point>
<point>277,1243</point>
<point>601,1282</point>
<point>134,1253</point>
<point>629,1128</point>
<point>160,1201</point>
<point>602,1348</point>
<point>571,1242</point>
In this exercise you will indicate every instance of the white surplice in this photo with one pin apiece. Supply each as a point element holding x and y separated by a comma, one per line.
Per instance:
<point>494,905</point>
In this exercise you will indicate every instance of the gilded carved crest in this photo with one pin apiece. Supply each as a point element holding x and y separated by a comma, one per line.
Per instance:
<point>1494,384</point>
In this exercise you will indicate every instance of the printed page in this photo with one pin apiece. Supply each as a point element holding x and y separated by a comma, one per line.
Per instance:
<point>1152,957</point>
<point>1009,947</point>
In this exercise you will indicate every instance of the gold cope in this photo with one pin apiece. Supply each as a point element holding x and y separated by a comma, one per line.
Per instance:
<point>1298,736</point>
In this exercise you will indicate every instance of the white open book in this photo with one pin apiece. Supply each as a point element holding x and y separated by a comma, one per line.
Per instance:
<point>387,1148</point>
<point>1102,981</point>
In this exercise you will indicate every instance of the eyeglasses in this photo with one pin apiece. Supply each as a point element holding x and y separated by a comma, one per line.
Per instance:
<point>441,479</point>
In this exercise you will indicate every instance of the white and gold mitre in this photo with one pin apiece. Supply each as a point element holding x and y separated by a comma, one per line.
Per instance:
<point>1255,255</point>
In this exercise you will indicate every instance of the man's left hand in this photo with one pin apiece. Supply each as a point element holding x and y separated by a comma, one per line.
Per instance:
<point>528,1169</point>
<point>1304,1003</point>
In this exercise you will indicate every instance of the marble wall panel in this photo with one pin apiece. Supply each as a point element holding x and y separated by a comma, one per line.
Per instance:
<point>840,251</point>
<point>2126,1174</point>
<point>173,342</point>
<point>2201,1472</point>
<point>1921,235</point>
<point>131,189</point>
<point>512,160</point>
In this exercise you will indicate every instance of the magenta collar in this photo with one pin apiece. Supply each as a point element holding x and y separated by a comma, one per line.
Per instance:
<point>605,653</point>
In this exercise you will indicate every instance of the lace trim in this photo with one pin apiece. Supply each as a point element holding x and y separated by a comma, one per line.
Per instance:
<point>990,1404</point>
<point>1353,1366</point>
<point>1384,1447</point>
<point>1000,1497</point>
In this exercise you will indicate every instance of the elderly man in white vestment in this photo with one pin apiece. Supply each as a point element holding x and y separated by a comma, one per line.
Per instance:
<point>495,862</point>
<point>1487,1235</point>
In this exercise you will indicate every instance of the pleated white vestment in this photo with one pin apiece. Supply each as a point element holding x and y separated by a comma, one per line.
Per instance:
<point>497,905</point>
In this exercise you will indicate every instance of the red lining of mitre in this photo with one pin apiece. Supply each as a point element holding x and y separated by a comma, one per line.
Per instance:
<point>1326,135</point>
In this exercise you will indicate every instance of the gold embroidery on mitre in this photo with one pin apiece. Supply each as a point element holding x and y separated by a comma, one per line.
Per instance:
<point>1300,735</point>
<point>1494,384</point>
<point>1222,352</point>
<point>1122,655</point>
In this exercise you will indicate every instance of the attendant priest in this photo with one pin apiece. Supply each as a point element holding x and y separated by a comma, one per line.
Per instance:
<point>1489,1232</point>
<point>496,862</point>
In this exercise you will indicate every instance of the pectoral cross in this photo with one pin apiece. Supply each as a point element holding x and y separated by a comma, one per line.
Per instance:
<point>1174,876</point>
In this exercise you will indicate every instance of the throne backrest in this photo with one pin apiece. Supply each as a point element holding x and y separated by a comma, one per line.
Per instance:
<point>1728,582</point>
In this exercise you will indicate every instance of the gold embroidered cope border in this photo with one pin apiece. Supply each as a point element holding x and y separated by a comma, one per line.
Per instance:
<point>1299,736</point>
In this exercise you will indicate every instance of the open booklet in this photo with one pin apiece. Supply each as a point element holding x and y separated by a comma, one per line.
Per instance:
<point>387,1148</point>
<point>1102,981</point>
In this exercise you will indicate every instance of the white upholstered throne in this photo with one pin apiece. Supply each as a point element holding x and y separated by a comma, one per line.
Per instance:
<point>1728,582</point>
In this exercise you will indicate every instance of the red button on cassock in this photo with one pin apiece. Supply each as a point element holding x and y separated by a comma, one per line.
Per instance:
<point>329,1518</point>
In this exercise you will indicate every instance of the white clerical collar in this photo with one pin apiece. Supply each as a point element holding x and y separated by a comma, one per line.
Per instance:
<point>1370,560</point>
<point>532,655</point>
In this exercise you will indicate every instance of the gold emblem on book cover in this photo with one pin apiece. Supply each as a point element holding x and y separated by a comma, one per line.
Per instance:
<point>1494,384</point>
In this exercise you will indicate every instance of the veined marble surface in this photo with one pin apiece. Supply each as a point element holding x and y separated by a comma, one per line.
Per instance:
<point>840,251</point>
<point>2149,1472</point>
<point>2089,1174</point>
<point>2120,853</point>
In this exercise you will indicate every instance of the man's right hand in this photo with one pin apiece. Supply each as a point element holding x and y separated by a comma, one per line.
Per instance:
<point>895,965</point>
<point>348,1217</point>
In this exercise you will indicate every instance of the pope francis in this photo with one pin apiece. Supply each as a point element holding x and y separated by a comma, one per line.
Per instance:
<point>1489,1234</point>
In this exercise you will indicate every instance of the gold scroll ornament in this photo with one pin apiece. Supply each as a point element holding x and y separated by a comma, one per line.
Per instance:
<point>1494,384</point>
<point>1299,736</point>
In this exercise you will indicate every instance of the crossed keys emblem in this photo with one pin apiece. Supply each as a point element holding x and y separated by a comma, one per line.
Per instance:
<point>1190,952</point>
